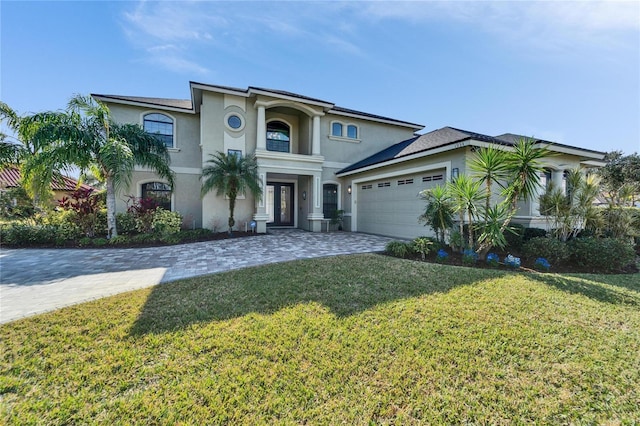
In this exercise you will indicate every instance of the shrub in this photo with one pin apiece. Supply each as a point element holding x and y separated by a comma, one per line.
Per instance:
<point>87,206</point>
<point>195,234</point>
<point>602,254</point>
<point>165,222</point>
<point>126,223</point>
<point>170,239</point>
<point>99,242</point>
<point>493,260</point>
<point>442,256</point>
<point>542,264</point>
<point>514,236</point>
<point>142,238</point>
<point>84,242</point>
<point>469,257</point>
<point>20,234</point>
<point>16,203</point>
<point>531,233</point>
<point>142,210</point>
<point>552,249</point>
<point>120,239</point>
<point>399,248</point>
<point>423,245</point>
<point>512,262</point>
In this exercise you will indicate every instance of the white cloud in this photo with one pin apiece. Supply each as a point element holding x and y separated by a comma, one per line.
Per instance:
<point>546,25</point>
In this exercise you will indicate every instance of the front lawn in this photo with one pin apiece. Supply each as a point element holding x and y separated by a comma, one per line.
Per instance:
<point>352,339</point>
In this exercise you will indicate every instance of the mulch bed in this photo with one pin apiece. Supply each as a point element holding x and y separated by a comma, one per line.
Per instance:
<point>455,259</point>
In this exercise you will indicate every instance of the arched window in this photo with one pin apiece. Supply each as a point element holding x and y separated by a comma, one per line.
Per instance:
<point>161,126</point>
<point>329,199</point>
<point>352,131</point>
<point>278,136</point>
<point>336,129</point>
<point>159,192</point>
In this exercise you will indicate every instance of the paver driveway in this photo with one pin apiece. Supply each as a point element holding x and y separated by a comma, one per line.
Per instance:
<point>33,281</point>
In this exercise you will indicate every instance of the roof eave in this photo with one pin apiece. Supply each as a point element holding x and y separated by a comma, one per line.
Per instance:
<point>116,100</point>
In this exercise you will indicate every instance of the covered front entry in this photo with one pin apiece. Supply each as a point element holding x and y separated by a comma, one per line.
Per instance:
<point>280,204</point>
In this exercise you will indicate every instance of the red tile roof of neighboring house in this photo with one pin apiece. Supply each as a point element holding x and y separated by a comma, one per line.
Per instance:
<point>10,178</point>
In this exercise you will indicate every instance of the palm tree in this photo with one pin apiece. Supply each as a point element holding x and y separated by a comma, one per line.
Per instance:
<point>489,166</point>
<point>439,211</point>
<point>85,136</point>
<point>231,175</point>
<point>523,167</point>
<point>466,195</point>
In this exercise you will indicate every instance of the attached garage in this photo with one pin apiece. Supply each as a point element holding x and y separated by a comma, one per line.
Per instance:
<point>391,206</point>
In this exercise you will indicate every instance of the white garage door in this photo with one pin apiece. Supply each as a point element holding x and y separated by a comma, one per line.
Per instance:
<point>392,206</point>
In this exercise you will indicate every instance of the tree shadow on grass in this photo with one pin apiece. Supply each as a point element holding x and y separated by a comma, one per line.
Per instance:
<point>613,289</point>
<point>347,285</point>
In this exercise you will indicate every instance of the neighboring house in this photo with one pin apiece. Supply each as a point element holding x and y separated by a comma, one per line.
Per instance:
<point>63,187</point>
<point>313,157</point>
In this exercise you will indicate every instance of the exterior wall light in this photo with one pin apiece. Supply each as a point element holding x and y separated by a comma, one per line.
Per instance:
<point>349,189</point>
<point>304,195</point>
<point>455,173</point>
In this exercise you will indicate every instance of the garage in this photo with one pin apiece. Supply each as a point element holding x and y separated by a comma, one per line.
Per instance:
<point>391,206</point>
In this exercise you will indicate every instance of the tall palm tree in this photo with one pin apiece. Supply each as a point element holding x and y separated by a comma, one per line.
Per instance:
<point>231,175</point>
<point>466,196</point>
<point>85,136</point>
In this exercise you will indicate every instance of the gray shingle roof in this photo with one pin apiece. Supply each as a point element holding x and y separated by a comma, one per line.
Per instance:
<point>162,102</point>
<point>428,141</point>
<point>512,138</point>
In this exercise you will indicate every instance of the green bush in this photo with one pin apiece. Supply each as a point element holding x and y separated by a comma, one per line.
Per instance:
<point>84,242</point>
<point>142,238</point>
<point>99,242</point>
<point>126,223</point>
<point>120,239</point>
<point>514,237</point>
<point>399,248</point>
<point>194,234</point>
<point>602,254</point>
<point>166,222</point>
<point>554,250</point>
<point>20,234</point>
<point>531,233</point>
<point>423,245</point>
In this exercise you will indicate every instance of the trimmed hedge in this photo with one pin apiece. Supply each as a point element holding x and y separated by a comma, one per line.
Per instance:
<point>602,254</point>
<point>554,250</point>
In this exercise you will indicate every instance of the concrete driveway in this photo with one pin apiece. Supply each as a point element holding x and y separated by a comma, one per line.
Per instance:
<point>34,281</point>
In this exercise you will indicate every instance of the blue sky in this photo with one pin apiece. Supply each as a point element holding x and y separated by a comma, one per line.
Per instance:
<point>562,71</point>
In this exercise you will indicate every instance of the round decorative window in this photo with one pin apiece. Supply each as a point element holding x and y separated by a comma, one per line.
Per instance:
<point>234,121</point>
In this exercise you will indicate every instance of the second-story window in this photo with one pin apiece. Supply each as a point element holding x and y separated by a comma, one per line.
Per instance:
<point>336,129</point>
<point>278,136</point>
<point>352,131</point>
<point>161,126</point>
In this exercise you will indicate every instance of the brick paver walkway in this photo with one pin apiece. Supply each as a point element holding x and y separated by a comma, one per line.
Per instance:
<point>33,281</point>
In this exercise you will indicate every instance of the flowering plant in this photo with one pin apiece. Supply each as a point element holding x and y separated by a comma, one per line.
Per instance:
<point>493,260</point>
<point>469,257</point>
<point>512,262</point>
<point>442,256</point>
<point>542,264</point>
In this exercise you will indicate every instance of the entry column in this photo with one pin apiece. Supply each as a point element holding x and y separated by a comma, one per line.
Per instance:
<point>315,215</point>
<point>261,216</point>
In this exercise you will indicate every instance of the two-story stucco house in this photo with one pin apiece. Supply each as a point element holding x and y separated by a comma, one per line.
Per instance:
<point>313,157</point>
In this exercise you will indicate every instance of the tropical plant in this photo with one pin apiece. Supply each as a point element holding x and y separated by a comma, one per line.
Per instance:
<point>489,166</point>
<point>465,193</point>
<point>569,213</point>
<point>86,136</point>
<point>621,178</point>
<point>523,166</point>
<point>439,212</point>
<point>231,175</point>
<point>423,245</point>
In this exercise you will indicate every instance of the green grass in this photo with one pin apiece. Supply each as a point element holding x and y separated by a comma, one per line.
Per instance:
<point>356,340</point>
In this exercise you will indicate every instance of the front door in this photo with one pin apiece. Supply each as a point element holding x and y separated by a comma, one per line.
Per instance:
<point>280,204</point>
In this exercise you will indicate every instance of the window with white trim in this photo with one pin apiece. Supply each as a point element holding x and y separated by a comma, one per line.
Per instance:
<point>336,129</point>
<point>278,136</point>
<point>160,126</point>
<point>344,131</point>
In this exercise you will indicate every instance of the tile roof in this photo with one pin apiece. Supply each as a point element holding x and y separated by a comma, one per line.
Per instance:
<point>163,102</point>
<point>428,141</point>
<point>10,178</point>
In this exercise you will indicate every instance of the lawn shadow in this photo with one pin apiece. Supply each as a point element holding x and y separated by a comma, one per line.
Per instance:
<point>615,289</point>
<point>346,285</point>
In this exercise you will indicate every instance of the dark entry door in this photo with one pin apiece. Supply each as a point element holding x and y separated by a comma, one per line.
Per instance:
<point>280,201</point>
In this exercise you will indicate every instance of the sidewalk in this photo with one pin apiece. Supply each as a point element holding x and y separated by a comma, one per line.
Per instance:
<point>34,281</point>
